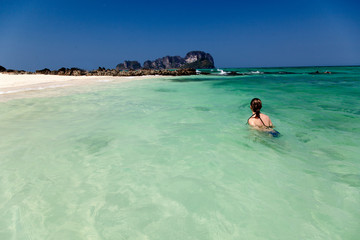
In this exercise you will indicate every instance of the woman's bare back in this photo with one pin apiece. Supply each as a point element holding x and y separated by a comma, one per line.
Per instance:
<point>262,122</point>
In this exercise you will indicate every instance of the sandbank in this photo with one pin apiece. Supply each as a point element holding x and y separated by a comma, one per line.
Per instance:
<point>14,85</point>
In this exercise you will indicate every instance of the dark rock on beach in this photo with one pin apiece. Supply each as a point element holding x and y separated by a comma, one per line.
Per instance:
<point>14,72</point>
<point>69,72</point>
<point>113,72</point>
<point>43,71</point>
<point>108,72</point>
<point>2,69</point>
<point>186,71</point>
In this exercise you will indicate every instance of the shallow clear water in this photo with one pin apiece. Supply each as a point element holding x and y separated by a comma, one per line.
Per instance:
<point>173,159</point>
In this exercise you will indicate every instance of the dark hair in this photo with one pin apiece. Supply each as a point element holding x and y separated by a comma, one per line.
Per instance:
<point>256,105</point>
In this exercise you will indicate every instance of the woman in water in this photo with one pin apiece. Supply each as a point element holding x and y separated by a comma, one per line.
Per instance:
<point>259,120</point>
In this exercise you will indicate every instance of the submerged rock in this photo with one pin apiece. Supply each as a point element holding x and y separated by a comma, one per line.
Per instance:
<point>281,72</point>
<point>317,72</point>
<point>232,73</point>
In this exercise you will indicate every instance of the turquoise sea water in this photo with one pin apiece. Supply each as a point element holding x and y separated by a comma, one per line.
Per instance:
<point>172,158</point>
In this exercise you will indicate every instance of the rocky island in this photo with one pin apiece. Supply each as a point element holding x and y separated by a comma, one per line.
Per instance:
<point>193,59</point>
<point>169,65</point>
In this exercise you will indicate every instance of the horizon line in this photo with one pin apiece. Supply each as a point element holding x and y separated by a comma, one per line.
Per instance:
<point>293,66</point>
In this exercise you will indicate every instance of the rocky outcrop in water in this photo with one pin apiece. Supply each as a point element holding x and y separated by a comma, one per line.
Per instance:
<point>193,59</point>
<point>2,69</point>
<point>128,65</point>
<point>199,60</point>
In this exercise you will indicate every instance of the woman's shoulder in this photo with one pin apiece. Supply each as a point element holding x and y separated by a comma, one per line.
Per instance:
<point>251,121</point>
<point>266,119</point>
<point>264,116</point>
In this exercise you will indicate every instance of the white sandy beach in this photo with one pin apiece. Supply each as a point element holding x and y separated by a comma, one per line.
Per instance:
<point>14,85</point>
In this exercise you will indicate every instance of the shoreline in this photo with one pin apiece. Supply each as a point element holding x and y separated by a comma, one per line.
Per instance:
<point>14,86</point>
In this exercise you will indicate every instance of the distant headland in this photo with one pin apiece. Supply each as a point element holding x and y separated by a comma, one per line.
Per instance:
<point>193,59</point>
<point>168,65</point>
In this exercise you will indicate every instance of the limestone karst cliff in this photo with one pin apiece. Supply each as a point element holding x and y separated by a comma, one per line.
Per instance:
<point>199,60</point>
<point>128,65</point>
<point>193,59</point>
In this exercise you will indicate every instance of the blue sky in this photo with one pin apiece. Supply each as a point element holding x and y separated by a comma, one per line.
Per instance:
<point>88,34</point>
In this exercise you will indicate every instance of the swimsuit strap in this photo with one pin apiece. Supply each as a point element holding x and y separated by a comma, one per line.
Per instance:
<point>265,125</point>
<point>249,118</point>
<point>263,122</point>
